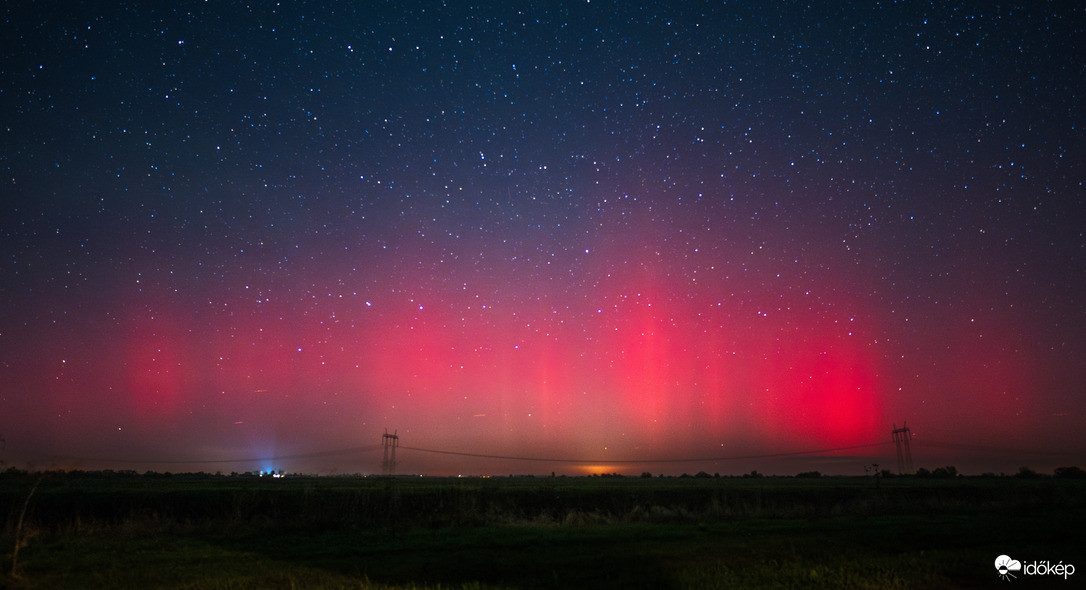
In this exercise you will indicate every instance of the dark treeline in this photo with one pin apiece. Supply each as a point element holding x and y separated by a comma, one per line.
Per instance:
<point>944,472</point>
<point>103,499</point>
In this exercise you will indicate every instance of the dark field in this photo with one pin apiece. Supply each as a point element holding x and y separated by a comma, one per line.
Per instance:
<point>109,530</point>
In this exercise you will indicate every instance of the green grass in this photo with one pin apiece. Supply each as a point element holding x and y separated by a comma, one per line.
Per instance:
<point>541,533</point>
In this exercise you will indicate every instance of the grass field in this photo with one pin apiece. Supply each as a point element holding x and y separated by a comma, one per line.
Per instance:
<point>95,530</point>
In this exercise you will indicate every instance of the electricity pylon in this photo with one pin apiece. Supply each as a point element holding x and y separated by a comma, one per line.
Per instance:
<point>390,442</point>
<point>904,454</point>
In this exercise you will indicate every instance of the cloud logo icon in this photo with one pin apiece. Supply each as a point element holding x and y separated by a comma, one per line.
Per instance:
<point>1005,565</point>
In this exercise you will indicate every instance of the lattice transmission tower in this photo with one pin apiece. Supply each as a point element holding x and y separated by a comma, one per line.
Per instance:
<point>904,453</point>
<point>390,442</point>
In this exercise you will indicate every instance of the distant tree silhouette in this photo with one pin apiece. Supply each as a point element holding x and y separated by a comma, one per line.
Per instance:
<point>945,472</point>
<point>1027,473</point>
<point>1072,472</point>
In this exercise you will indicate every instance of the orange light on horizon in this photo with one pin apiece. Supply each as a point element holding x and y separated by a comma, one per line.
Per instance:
<point>599,469</point>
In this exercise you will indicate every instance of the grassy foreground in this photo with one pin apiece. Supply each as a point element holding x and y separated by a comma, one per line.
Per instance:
<point>138,531</point>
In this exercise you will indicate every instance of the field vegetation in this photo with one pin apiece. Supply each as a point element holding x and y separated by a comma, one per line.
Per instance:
<point>129,530</point>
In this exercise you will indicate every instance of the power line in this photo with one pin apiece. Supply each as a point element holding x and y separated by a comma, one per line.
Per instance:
<point>369,448</point>
<point>629,461</point>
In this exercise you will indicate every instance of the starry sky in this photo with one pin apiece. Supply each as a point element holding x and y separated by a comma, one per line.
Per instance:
<point>602,231</point>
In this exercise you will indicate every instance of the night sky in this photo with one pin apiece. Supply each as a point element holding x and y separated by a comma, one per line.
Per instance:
<point>582,230</point>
